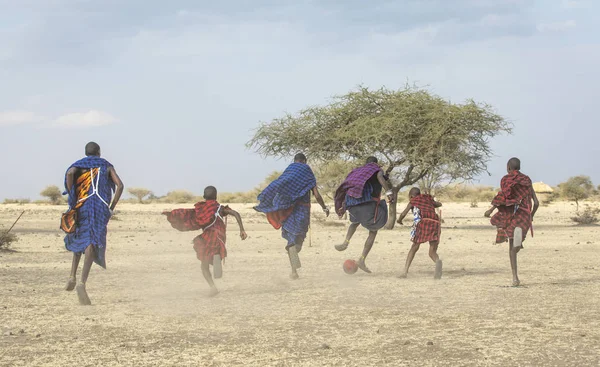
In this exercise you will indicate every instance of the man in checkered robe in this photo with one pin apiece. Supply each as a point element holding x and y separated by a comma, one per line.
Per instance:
<point>360,195</point>
<point>286,202</point>
<point>515,211</point>
<point>90,183</point>
<point>426,228</point>
<point>209,216</point>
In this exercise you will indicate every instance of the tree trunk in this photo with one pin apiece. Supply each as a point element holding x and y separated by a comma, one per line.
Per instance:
<point>393,209</point>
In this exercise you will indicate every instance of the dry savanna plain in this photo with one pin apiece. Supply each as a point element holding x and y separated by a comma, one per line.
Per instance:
<point>150,306</point>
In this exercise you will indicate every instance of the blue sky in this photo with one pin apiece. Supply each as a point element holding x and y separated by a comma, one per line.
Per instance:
<point>172,90</point>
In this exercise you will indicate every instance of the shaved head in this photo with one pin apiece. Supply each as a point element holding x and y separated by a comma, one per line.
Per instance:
<point>414,192</point>
<point>210,193</point>
<point>372,160</point>
<point>514,164</point>
<point>92,149</point>
<point>300,158</point>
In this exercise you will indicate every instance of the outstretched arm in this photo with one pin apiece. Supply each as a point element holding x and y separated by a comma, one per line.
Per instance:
<point>238,218</point>
<point>119,191</point>
<point>536,203</point>
<point>404,213</point>
<point>319,199</point>
<point>386,186</point>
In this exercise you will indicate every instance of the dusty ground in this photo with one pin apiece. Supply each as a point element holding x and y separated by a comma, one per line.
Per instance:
<point>150,309</point>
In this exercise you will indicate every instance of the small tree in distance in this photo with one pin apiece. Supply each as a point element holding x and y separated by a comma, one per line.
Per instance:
<point>53,193</point>
<point>139,192</point>
<point>576,189</point>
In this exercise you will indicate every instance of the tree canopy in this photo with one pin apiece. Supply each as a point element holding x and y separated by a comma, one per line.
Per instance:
<point>410,130</point>
<point>577,188</point>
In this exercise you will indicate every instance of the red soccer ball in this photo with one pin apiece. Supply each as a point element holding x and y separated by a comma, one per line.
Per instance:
<point>350,267</point>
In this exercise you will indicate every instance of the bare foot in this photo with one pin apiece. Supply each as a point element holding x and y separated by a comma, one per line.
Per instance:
<point>213,292</point>
<point>362,266</point>
<point>82,295</point>
<point>341,247</point>
<point>516,283</point>
<point>294,276</point>
<point>438,269</point>
<point>71,284</point>
<point>403,276</point>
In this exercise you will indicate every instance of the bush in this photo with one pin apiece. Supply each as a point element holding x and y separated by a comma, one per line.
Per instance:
<point>139,192</point>
<point>577,188</point>
<point>53,193</point>
<point>179,197</point>
<point>589,216</point>
<point>17,201</point>
<point>474,203</point>
<point>6,239</point>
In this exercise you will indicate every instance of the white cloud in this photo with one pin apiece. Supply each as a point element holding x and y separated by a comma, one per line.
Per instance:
<point>557,26</point>
<point>92,118</point>
<point>17,117</point>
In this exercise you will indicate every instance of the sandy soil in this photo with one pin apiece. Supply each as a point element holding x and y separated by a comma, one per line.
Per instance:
<point>150,307</point>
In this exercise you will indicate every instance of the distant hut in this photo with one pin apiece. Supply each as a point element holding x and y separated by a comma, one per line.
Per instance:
<point>544,192</point>
<point>542,188</point>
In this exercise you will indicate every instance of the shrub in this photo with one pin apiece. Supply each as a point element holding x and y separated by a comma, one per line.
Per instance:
<point>474,203</point>
<point>179,197</point>
<point>17,201</point>
<point>53,193</point>
<point>588,216</point>
<point>577,188</point>
<point>6,239</point>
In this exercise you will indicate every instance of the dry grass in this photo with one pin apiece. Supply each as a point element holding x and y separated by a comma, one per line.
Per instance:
<point>150,307</point>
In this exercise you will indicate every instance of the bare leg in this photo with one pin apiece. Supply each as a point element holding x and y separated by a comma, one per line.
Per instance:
<point>513,263</point>
<point>409,258</point>
<point>294,260</point>
<point>433,246</point>
<point>368,246</point>
<point>208,276</point>
<point>73,277</point>
<point>87,265</point>
<point>351,231</point>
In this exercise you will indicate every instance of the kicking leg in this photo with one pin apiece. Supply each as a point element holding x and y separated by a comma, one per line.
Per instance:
<point>349,235</point>
<point>409,258</point>
<point>513,262</point>
<point>73,277</point>
<point>90,254</point>
<point>368,246</point>
<point>433,246</point>
<point>208,276</point>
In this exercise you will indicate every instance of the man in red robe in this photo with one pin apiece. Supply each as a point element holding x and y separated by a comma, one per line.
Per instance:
<point>515,211</point>
<point>209,216</point>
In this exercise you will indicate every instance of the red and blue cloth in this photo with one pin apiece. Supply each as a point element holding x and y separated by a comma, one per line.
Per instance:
<point>208,216</point>
<point>286,201</point>
<point>94,214</point>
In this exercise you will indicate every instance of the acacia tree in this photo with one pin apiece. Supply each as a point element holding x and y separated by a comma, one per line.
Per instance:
<point>139,192</point>
<point>577,188</point>
<point>330,174</point>
<point>53,193</point>
<point>410,130</point>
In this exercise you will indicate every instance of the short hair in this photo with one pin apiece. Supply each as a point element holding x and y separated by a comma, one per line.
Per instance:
<point>514,164</point>
<point>92,148</point>
<point>414,191</point>
<point>372,160</point>
<point>210,193</point>
<point>300,158</point>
